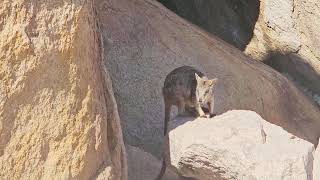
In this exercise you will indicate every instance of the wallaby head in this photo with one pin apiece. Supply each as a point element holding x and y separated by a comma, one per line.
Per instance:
<point>204,88</point>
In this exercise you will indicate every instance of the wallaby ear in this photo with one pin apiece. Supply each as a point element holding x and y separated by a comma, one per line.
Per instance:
<point>198,78</point>
<point>212,82</point>
<point>215,80</point>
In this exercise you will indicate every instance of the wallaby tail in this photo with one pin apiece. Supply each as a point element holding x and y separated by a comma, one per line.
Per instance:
<point>167,109</point>
<point>163,169</point>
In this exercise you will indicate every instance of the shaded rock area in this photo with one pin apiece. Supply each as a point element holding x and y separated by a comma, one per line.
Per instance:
<point>237,145</point>
<point>144,166</point>
<point>231,20</point>
<point>58,115</point>
<point>144,41</point>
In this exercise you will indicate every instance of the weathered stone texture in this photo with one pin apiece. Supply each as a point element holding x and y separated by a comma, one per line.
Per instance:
<point>58,116</point>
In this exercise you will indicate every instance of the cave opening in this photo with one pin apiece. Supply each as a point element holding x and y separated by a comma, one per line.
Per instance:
<point>231,20</point>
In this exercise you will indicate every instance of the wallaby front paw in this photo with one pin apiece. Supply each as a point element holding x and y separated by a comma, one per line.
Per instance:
<point>212,115</point>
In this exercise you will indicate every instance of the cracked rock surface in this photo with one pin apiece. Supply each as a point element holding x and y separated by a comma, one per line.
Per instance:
<point>232,146</point>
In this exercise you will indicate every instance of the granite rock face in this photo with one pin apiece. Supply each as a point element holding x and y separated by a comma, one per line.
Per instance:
<point>286,37</point>
<point>237,145</point>
<point>58,116</point>
<point>144,41</point>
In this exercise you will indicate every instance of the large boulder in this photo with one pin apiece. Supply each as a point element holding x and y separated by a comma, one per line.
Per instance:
<point>144,166</point>
<point>58,115</point>
<point>144,41</point>
<point>286,37</point>
<point>237,145</point>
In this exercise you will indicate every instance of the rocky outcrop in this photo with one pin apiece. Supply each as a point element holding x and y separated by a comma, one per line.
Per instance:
<point>144,166</point>
<point>237,145</point>
<point>144,41</point>
<point>286,37</point>
<point>58,116</point>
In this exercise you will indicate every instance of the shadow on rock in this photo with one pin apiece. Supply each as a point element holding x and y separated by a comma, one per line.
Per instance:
<point>231,20</point>
<point>298,70</point>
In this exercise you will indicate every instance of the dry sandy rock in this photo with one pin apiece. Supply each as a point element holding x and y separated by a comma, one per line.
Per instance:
<point>144,41</point>
<point>237,145</point>
<point>58,116</point>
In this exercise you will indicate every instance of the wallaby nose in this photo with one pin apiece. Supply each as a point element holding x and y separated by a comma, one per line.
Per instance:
<point>200,100</point>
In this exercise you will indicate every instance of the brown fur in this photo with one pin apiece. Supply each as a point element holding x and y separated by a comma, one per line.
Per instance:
<point>189,90</point>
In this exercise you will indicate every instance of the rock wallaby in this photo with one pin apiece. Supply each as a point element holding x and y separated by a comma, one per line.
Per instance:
<point>188,89</point>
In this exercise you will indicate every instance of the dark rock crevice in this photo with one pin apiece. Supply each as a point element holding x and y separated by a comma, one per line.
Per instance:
<point>231,20</point>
